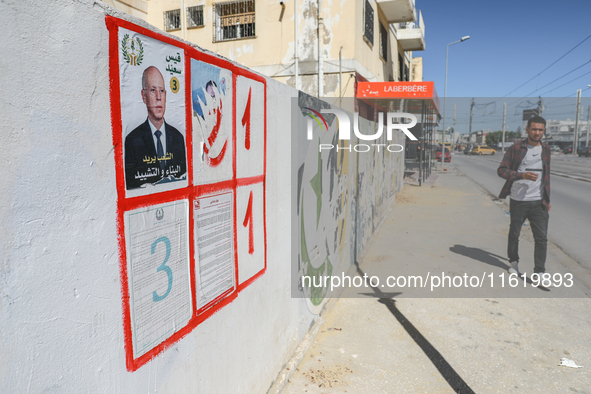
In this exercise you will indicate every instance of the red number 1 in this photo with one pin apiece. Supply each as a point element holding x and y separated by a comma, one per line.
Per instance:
<point>248,222</point>
<point>246,121</point>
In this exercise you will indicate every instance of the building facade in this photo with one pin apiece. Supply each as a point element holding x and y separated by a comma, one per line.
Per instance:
<point>338,43</point>
<point>137,8</point>
<point>564,130</point>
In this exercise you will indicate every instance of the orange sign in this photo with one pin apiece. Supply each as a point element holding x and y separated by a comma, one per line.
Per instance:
<point>379,91</point>
<point>396,90</point>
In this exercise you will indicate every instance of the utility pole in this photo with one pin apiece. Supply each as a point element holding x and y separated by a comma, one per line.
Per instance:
<point>340,78</point>
<point>588,125</point>
<point>295,47</point>
<point>504,117</point>
<point>320,60</point>
<point>576,134</point>
<point>455,104</point>
<point>540,112</point>
<point>470,130</point>
<point>183,19</point>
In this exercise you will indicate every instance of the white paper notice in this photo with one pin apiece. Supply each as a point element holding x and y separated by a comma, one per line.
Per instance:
<point>214,239</point>
<point>158,271</point>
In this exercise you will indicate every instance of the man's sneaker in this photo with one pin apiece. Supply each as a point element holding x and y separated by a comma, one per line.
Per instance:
<point>513,268</point>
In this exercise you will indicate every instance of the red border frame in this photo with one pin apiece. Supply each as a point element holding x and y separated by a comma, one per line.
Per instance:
<point>190,192</point>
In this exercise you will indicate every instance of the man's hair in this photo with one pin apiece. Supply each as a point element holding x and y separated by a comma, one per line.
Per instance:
<point>144,76</point>
<point>536,119</point>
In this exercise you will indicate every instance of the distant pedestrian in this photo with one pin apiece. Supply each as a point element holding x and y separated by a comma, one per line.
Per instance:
<point>526,167</point>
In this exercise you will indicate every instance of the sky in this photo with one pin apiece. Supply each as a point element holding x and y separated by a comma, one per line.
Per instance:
<point>510,43</point>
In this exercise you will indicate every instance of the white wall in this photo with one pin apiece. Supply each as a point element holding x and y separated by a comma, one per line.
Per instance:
<point>61,327</point>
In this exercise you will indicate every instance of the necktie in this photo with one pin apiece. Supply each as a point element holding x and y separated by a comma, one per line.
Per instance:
<point>160,151</point>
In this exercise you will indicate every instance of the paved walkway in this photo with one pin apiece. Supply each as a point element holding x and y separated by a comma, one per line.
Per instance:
<point>493,340</point>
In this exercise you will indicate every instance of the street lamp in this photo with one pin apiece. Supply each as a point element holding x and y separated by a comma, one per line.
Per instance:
<point>445,99</point>
<point>588,124</point>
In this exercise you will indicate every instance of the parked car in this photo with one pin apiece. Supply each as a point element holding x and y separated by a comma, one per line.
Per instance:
<point>438,154</point>
<point>483,150</point>
<point>584,151</point>
<point>555,148</point>
<point>567,150</point>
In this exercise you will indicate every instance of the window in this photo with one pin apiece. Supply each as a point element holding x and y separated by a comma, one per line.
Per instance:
<point>403,71</point>
<point>234,20</point>
<point>195,16</point>
<point>368,22</point>
<point>383,43</point>
<point>172,20</point>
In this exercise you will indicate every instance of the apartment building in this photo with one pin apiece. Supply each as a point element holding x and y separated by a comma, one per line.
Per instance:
<point>338,43</point>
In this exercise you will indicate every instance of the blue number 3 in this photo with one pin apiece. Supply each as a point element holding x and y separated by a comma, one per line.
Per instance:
<point>163,267</point>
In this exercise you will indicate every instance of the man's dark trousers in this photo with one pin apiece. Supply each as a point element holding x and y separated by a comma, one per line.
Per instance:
<point>537,214</point>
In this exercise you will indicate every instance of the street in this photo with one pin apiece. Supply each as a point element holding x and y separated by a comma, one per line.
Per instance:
<point>467,338</point>
<point>570,227</point>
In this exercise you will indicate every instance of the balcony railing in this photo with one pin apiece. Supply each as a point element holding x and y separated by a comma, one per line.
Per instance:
<point>411,35</point>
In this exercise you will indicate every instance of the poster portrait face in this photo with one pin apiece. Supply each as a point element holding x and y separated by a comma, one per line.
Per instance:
<point>152,85</point>
<point>154,94</point>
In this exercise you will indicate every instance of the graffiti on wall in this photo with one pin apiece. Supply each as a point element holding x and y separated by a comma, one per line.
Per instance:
<point>189,133</point>
<point>323,202</point>
<point>341,196</point>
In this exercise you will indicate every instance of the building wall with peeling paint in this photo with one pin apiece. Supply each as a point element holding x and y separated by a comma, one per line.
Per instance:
<point>271,52</point>
<point>137,8</point>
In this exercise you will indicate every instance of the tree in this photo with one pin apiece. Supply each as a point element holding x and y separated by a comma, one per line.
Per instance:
<point>491,139</point>
<point>495,138</point>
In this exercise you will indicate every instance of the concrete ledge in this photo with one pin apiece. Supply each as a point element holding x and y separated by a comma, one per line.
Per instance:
<point>290,367</point>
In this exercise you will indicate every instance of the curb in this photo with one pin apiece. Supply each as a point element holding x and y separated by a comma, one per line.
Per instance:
<point>298,355</point>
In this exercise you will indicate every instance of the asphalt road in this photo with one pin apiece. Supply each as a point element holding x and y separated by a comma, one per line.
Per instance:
<point>570,165</point>
<point>570,217</point>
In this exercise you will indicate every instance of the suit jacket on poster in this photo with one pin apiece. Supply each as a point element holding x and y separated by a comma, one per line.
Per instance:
<point>139,151</point>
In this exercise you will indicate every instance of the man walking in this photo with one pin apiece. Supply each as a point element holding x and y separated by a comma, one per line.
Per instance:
<point>526,167</point>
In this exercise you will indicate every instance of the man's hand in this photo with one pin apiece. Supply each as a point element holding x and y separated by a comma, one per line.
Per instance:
<point>549,207</point>
<point>530,176</point>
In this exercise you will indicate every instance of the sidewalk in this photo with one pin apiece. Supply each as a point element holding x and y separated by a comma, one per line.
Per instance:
<point>385,343</point>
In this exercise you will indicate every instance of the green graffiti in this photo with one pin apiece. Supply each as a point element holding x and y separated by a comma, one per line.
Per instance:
<point>317,293</point>
<point>316,183</point>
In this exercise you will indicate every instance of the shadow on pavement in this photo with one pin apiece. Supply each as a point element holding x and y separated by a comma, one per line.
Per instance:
<point>445,369</point>
<point>480,255</point>
<point>382,295</point>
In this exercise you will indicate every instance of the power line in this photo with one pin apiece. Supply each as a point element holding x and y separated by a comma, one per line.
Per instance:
<point>566,83</point>
<point>562,76</point>
<point>571,71</point>
<point>556,61</point>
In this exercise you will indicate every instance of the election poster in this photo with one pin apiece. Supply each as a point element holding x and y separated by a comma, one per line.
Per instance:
<point>152,88</point>
<point>157,241</point>
<point>213,111</point>
<point>214,241</point>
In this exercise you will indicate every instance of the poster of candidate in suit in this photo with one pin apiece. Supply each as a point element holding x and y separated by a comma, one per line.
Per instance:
<point>152,88</point>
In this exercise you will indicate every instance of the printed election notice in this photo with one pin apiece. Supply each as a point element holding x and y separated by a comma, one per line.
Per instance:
<point>214,245</point>
<point>158,271</point>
